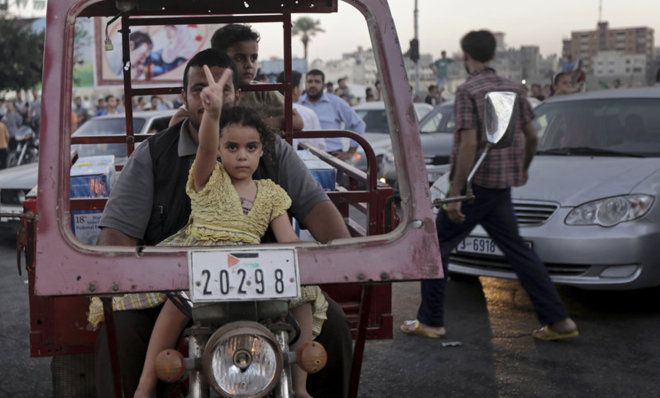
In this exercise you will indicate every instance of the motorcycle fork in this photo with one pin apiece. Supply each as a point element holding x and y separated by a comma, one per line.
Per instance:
<point>285,387</point>
<point>198,387</point>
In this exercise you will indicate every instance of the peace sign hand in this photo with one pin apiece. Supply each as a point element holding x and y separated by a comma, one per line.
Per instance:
<point>211,95</point>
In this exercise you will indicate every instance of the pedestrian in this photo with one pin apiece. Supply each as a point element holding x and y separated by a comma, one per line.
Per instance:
<point>22,106</point>
<point>378,94</point>
<point>492,207</point>
<point>310,120</point>
<point>333,112</point>
<point>82,113</point>
<point>100,107</point>
<point>546,91</point>
<point>562,84</point>
<point>35,110</point>
<point>112,107</point>
<point>342,83</point>
<point>441,69</point>
<point>369,95</point>
<point>4,144</point>
<point>157,103</point>
<point>537,92</point>
<point>434,96</point>
<point>13,121</point>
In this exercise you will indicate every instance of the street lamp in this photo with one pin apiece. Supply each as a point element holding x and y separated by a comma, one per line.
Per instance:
<point>416,16</point>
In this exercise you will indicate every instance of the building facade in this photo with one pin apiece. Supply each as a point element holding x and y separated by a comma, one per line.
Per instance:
<point>629,69</point>
<point>586,45</point>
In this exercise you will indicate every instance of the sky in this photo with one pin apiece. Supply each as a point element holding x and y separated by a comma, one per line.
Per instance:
<point>443,22</point>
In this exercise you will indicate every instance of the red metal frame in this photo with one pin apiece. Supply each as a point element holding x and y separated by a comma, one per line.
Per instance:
<point>68,268</point>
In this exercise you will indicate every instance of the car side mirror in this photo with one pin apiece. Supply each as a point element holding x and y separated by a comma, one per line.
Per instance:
<point>500,111</point>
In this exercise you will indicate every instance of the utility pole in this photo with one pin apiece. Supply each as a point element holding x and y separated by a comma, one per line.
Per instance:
<point>416,38</point>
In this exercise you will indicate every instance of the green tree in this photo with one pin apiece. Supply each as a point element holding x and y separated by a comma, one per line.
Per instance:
<point>306,27</point>
<point>21,55</point>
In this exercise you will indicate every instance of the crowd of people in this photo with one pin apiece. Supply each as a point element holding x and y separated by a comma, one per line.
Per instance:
<point>85,107</point>
<point>23,113</point>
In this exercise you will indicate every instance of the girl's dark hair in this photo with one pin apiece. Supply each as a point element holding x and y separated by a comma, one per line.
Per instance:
<point>249,117</point>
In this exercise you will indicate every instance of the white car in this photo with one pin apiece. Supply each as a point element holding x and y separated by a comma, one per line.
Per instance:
<point>377,133</point>
<point>16,182</point>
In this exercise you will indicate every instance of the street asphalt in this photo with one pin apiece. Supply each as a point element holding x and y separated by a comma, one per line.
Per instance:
<point>616,355</point>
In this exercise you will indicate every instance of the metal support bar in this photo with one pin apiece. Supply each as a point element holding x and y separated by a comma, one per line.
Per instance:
<point>288,89</point>
<point>137,21</point>
<point>126,69</point>
<point>358,351</point>
<point>111,333</point>
<point>136,92</point>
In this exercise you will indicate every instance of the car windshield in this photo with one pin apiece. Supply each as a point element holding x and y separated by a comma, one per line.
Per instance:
<point>105,126</point>
<point>375,119</point>
<point>607,127</point>
<point>440,120</point>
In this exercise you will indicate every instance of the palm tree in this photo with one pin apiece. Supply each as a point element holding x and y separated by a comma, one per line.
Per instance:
<point>306,27</point>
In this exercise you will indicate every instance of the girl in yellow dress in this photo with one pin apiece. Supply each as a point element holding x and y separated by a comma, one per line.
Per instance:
<point>229,207</point>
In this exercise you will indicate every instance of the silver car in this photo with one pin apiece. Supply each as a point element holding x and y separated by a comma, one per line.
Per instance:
<point>377,133</point>
<point>16,182</point>
<point>589,209</point>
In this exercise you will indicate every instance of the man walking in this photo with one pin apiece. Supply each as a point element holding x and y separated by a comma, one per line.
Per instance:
<point>333,112</point>
<point>492,208</point>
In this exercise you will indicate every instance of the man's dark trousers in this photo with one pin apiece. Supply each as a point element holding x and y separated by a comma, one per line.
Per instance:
<point>493,209</point>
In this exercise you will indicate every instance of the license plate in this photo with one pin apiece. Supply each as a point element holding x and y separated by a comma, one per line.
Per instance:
<point>478,245</point>
<point>243,275</point>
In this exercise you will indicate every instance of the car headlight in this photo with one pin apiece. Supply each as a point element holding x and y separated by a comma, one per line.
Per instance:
<point>610,211</point>
<point>357,157</point>
<point>242,359</point>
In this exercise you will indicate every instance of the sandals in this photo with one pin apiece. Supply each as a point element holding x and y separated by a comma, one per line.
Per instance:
<point>545,333</point>
<point>416,328</point>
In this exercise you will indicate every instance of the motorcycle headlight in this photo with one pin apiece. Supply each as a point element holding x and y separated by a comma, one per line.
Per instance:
<point>610,211</point>
<point>242,359</point>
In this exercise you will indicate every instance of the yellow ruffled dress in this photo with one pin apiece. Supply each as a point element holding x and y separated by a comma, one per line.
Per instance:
<point>218,219</point>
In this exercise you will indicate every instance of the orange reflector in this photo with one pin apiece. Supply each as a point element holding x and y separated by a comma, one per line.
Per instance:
<point>311,357</point>
<point>169,366</point>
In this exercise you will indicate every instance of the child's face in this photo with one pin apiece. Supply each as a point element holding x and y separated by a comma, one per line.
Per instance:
<point>240,150</point>
<point>245,55</point>
<point>564,85</point>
